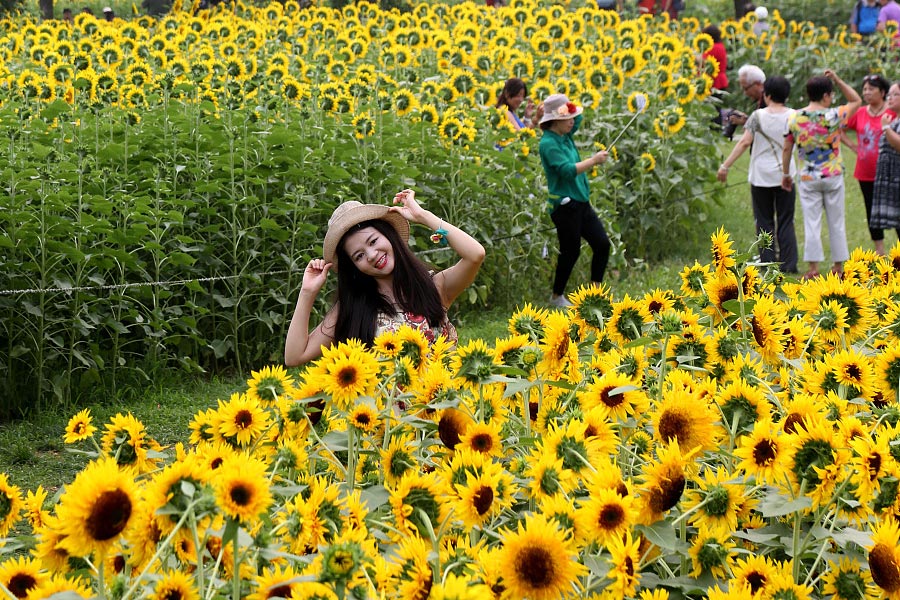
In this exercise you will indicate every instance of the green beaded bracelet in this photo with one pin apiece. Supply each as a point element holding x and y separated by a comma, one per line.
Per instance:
<point>439,236</point>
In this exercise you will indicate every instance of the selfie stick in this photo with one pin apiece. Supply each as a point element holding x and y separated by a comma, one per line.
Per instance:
<point>640,102</point>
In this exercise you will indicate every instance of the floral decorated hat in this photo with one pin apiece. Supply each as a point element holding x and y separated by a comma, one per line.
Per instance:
<point>558,107</point>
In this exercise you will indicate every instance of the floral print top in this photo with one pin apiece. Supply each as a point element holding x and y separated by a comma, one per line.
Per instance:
<point>817,136</point>
<point>392,323</point>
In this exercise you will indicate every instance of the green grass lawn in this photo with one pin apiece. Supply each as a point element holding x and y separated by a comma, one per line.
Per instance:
<point>32,452</point>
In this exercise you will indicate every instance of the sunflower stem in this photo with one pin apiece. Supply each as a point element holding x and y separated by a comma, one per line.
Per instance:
<point>192,523</point>
<point>351,459</point>
<point>160,548</point>
<point>662,368</point>
<point>101,581</point>
<point>236,570</point>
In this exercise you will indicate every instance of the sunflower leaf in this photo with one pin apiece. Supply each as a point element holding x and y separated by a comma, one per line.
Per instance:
<point>776,505</point>
<point>662,534</point>
<point>848,535</point>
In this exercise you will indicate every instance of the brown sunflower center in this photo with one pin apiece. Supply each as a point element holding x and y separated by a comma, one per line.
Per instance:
<point>483,499</point>
<point>347,376</point>
<point>655,306</point>
<point>171,594</point>
<point>240,495</point>
<point>482,442</point>
<point>629,566</point>
<point>109,515</point>
<point>853,372</point>
<point>562,347</point>
<point>759,333</point>
<point>80,428</point>
<point>885,571</point>
<point>363,419</point>
<point>243,419</point>
<point>668,493</point>
<point>611,400</point>
<point>764,453</point>
<point>611,516</point>
<point>791,422</point>
<point>534,566</point>
<point>20,583</point>
<point>756,580</point>
<point>673,425</point>
<point>279,591</point>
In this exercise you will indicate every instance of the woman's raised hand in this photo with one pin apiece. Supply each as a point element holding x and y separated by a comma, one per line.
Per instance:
<point>315,275</point>
<point>409,209</point>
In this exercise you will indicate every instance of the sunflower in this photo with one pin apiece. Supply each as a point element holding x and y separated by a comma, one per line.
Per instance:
<point>97,508</point>
<point>884,557</point>
<point>648,162</point>
<point>547,476</point>
<point>473,364</point>
<point>345,372</point>
<point>174,489</point>
<point>276,582</point>
<point>684,417</point>
<point>397,460</point>
<point>762,453</point>
<point>482,497</point>
<point>80,427</point>
<point>742,405</point>
<point>722,289</point>
<point>625,561</point>
<point>536,562</point>
<point>34,507</point>
<point>126,440</point>
<point>592,306</point>
<point>21,575</point>
<point>627,321</point>
<point>529,321</point>
<point>714,504</point>
<point>814,458</point>
<point>59,585</point>
<point>712,552</point>
<point>847,580</point>
<point>416,499</point>
<point>663,483</point>
<point>606,515</point>
<point>241,420</point>
<point>483,437</point>
<point>854,299</point>
<point>669,122</point>
<point>887,373</point>
<point>756,571</point>
<point>767,322</point>
<point>560,352</point>
<point>364,417</point>
<point>268,384</point>
<point>694,279</point>
<point>242,488</point>
<point>616,395</point>
<point>175,585</point>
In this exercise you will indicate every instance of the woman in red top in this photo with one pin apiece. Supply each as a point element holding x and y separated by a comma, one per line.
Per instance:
<point>718,53</point>
<point>866,122</point>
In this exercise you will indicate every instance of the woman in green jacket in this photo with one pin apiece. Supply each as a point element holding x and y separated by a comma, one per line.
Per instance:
<point>569,196</point>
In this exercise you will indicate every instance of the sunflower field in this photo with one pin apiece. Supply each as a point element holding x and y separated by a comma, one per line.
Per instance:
<point>166,180</point>
<point>736,439</point>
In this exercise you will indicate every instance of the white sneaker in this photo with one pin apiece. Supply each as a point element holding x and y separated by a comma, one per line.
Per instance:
<point>560,302</point>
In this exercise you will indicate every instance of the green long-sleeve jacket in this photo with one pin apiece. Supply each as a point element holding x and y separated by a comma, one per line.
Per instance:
<point>558,156</point>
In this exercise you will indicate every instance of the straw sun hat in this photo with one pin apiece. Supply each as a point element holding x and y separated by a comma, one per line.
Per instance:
<point>352,213</point>
<point>558,107</point>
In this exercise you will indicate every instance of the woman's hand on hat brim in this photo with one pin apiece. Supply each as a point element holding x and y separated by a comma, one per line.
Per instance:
<point>410,209</point>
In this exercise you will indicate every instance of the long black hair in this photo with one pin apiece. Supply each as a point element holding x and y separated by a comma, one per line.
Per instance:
<point>359,300</point>
<point>511,88</point>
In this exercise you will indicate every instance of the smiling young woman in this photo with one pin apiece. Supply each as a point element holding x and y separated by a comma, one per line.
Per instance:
<point>381,283</point>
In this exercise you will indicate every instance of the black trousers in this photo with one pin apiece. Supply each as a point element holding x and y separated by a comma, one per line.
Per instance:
<point>773,210</point>
<point>868,190</point>
<point>574,221</point>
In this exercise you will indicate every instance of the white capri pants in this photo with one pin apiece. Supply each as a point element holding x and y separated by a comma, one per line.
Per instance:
<point>815,196</point>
